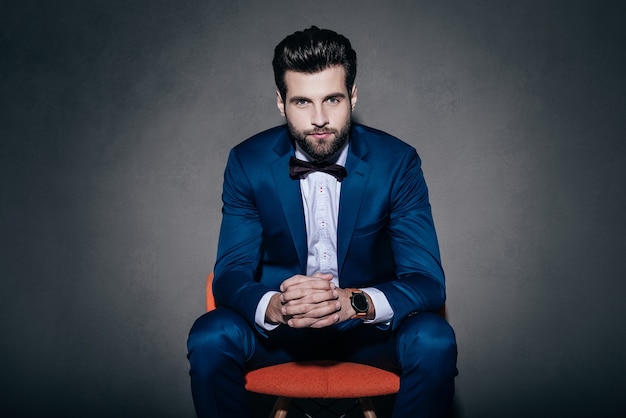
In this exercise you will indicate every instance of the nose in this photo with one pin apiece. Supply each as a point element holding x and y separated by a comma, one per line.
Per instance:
<point>319,117</point>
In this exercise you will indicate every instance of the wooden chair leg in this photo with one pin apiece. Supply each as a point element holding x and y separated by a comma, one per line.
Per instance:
<point>281,407</point>
<point>367,407</point>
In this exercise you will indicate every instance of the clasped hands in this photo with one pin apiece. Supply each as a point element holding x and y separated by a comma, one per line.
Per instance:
<point>310,302</point>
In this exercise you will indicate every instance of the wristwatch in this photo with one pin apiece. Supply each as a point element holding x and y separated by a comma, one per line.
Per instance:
<point>359,302</point>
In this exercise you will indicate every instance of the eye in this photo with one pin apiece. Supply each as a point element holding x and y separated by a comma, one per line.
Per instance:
<point>300,102</point>
<point>333,100</point>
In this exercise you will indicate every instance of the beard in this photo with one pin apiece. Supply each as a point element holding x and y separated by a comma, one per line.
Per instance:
<point>320,150</point>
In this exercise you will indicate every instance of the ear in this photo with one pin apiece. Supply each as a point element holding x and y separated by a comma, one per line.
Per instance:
<point>353,96</point>
<point>280,104</point>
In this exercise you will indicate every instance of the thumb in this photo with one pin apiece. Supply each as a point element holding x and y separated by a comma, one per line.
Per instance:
<point>325,276</point>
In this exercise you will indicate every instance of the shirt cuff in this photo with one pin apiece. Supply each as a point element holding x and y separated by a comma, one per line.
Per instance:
<point>384,313</point>
<point>261,308</point>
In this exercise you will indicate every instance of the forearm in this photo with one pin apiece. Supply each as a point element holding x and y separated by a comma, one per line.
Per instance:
<point>413,293</point>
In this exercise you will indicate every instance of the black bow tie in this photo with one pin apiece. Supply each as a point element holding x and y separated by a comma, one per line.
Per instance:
<point>298,169</point>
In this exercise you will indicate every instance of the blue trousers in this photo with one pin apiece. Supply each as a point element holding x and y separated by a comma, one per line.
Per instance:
<point>222,346</point>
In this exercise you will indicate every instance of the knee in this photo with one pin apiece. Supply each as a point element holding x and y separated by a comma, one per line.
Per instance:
<point>427,341</point>
<point>221,331</point>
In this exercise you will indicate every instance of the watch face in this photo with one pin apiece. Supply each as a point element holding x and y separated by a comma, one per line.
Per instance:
<point>359,302</point>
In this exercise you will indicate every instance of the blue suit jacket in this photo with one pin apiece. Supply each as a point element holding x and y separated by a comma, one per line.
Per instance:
<point>386,236</point>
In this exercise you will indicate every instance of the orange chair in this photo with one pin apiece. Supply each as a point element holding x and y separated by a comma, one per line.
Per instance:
<point>317,379</point>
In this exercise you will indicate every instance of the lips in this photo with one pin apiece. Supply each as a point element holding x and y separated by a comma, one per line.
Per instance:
<point>320,134</point>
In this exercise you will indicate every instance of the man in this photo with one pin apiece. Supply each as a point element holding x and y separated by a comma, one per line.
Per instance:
<point>327,248</point>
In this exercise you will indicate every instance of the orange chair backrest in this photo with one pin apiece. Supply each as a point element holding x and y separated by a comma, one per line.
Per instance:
<point>210,300</point>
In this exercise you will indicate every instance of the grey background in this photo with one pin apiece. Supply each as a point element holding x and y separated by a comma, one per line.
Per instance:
<point>115,122</point>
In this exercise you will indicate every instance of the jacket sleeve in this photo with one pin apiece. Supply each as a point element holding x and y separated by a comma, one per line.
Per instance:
<point>239,246</point>
<point>419,282</point>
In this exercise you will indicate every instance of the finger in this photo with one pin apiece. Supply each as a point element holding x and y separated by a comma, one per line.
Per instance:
<point>308,296</point>
<point>326,321</point>
<point>311,283</point>
<point>300,279</point>
<point>324,276</point>
<point>293,280</point>
<point>317,310</point>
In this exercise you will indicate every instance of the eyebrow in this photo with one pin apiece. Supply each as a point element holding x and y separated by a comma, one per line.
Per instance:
<point>298,98</point>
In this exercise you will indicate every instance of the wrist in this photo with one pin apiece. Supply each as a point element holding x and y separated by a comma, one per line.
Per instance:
<point>273,313</point>
<point>361,304</point>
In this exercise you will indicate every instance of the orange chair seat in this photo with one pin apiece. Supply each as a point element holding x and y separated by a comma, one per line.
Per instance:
<point>322,379</point>
<point>317,379</point>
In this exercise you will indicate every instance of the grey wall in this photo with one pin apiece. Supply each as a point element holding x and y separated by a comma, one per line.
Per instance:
<point>115,122</point>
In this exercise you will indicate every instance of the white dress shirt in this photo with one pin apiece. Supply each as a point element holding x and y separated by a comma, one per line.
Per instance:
<point>320,198</point>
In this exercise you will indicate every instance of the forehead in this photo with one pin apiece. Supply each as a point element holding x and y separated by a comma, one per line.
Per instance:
<point>328,81</point>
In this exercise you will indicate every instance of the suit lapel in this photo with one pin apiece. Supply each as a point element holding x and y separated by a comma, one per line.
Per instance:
<point>352,195</point>
<point>291,200</point>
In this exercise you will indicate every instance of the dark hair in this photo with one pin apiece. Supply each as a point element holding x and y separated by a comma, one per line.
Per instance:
<point>310,51</point>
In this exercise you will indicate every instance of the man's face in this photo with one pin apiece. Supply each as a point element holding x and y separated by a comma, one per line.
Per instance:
<point>318,108</point>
